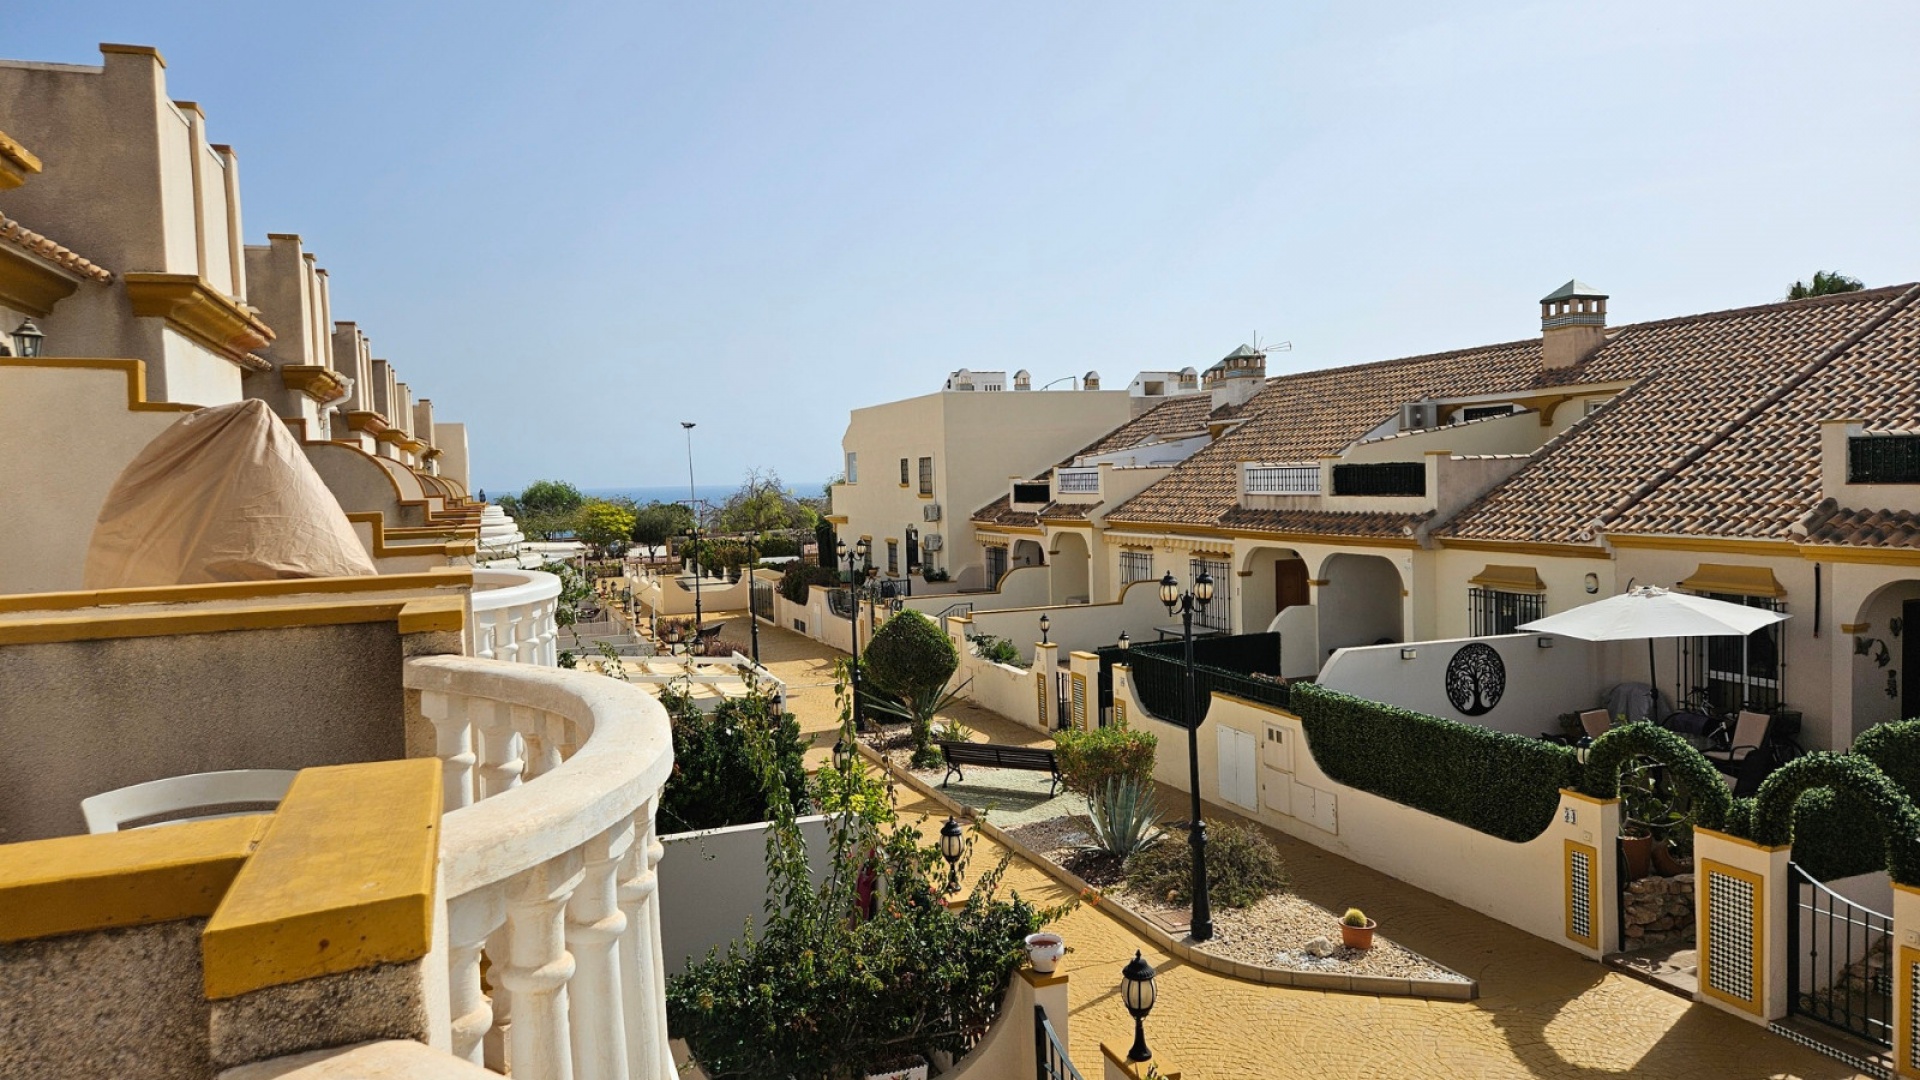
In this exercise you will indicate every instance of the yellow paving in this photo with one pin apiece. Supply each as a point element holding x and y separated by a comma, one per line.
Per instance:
<point>1542,1012</point>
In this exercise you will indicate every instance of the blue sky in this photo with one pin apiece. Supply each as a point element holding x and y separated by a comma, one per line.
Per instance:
<point>573,225</point>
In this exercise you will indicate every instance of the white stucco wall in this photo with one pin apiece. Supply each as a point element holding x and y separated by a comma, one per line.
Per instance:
<point>713,883</point>
<point>1540,683</point>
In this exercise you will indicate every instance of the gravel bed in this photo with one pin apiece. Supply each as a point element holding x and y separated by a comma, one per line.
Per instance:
<point>1271,933</point>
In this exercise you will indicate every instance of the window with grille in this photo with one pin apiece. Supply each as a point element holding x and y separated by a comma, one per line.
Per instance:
<point>926,476</point>
<point>853,467</point>
<point>1481,412</point>
<point>1395,478</point>
<point>996,564</point>
<point>1737,672</point>
<point>1494,611</point>
<point>1283,479</point>
<point>1215,616</point>
<point>1080,481</point>
<point>1135,566</point>
<point>1883,459</point>
<point>905,477</point>
<point>893,558</point>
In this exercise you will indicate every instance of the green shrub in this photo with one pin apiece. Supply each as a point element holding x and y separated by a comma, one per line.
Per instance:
<point>1895,749</point>
<point>865,793</point>
<point>715,782</point>
<point>1242,868</point>
<point>997,649</point>
<point>799,577</point>
<point>1124,816</point>
<point>1499,784</point>
<point>1774,808</point>
<point>1088,759</point>
<point>1836,835</point>
<point>909,656</point>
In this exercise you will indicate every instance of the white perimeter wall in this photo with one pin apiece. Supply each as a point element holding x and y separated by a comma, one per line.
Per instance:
<point>1541,683</point>
<point>713,882</point>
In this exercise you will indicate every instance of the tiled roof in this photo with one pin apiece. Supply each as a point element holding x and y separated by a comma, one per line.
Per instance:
<point>1719,437</point>
<point>1303,416</point>
<point>1326,522</point>
<point>1863,528</point>
<point>73,262</point>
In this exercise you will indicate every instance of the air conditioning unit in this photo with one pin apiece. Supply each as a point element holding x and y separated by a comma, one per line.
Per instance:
<point>930,542</point>
<point>1419,415</point>
<point>931,511</point>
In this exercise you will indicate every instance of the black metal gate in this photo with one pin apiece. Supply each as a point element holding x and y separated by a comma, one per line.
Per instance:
<point>1839,960</point>
<point>1050,1060</point>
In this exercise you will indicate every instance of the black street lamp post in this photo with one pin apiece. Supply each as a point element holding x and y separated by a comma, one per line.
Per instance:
<point>1185,604</point>
<point>693,507</point>
<point>1137,990</point>
<point>953,844</point>
<point>852,556</point>
<point>753,600</point>
<point>1045,625</point>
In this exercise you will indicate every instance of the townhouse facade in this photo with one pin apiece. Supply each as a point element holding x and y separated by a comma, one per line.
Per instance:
<point>1765,455</point>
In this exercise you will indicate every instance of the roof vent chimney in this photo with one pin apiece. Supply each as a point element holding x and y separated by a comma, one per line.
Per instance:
<point>1090,381</point>
<point>1237,377</point>
<point>1573,324</point>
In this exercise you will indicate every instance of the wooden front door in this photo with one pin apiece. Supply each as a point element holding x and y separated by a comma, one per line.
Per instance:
<point>1290,584</point>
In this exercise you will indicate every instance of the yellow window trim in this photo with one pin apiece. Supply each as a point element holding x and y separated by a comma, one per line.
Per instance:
<point>1734,580</point>
<point>1509,578</point>
<point>1592,937</point>
<point>1708,868</point>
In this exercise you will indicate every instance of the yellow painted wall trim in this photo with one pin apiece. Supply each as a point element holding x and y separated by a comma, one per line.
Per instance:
<point>452,549</point>
<point>1756,939</point>
<point>317,381</point>
<point>1562,551</point>
<point>459,577</point>
<point>1718,545</point>
<point>135,371</point>
<point>1037,980</point>
<point>343,879</point>
<point>434,614</point>
<point>1878,556</point>
<point>1509,578</point>
<point>1735,580</point>
<point>1134,1070</point>
<point>1742,841</point>
<point>170,623</point>
<point>1574,913</point>
<point>1581,796</point>
<point>135,50</point>
<point>196,309</point>
<point>1855,627</point>
<point>20,157</point>
<point>29,284</point>
<point>71,884</point>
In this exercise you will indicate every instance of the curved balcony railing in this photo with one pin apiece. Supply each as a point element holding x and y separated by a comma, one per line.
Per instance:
<point>548,862</point>
<point>513,616</point>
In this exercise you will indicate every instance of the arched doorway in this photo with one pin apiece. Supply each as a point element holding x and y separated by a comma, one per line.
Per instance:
<point>1885,663</point>
<point>1027,553</point>
<point>1072,570</point>
<point>1360,602</point>
<point>1276,579</point>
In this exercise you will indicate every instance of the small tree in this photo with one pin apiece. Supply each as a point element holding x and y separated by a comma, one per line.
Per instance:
<point>656,523</point>
<point>545,509</point>
<point>604,526</point>
<point>1825,283</point>
<point>910,659</point>
<point>715,781</point>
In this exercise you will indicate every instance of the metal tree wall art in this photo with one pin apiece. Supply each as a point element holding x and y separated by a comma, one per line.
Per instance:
<point>1476,678</point>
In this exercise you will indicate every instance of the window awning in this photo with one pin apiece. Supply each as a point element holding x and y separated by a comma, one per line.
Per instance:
<point>1509,579</point>
<point>1734,580</point>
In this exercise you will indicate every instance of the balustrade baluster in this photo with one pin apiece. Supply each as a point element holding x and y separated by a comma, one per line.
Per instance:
<point>595,924</point>
<point>453,743</point>
<point>470,919</point>
<point>642,977</point>
<point>549,634</point>
<point>538,968</point>
<point>543,752</point>
<point>501,762</point>
<point>483,634</point>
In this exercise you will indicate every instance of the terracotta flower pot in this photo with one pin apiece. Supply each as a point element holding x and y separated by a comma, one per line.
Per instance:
<point>1358,937</point>
<point>1639,853</point>
<point>1665,862</point>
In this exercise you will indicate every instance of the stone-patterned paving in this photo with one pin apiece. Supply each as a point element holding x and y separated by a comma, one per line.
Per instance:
<point>1544,1012</point>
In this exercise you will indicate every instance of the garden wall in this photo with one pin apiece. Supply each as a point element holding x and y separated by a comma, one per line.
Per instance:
<point>1272,777</point>
<point>1015,693</point>
<point>1077,627</point>
<point>1540,684</point>
<point>670,594</point>
<point>1025,586</point>
<point>713,882</point>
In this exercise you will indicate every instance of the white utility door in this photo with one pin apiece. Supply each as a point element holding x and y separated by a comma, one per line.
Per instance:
<point>1239,764</point>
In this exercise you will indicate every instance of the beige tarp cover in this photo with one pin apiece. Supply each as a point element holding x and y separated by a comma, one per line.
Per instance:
<point>225,494</point>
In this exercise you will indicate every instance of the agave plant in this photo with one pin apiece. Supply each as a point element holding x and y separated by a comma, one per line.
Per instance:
<point>1125,818</point>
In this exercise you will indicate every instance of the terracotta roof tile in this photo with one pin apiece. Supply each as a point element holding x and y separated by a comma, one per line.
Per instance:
<point>1326,522</point>
<point>20,236</point>
<point>1864,528</point>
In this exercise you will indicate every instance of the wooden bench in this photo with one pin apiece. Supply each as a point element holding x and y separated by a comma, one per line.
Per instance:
<point>998,756</point>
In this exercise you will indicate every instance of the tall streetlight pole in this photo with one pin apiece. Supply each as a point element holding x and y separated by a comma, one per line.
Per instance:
<point>1185,604</point>
<point>753,600</point>
<point>693,507</point>
<point>853,615</point>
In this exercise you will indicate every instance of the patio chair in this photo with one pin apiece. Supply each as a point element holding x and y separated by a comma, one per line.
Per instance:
<point>1750,733</point>
<point>1751,772</point>
<point>182,798</point>
<point>1596,722</point>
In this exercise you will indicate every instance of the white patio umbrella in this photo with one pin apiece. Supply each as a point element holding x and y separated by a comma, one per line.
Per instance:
<point>1652,612</point>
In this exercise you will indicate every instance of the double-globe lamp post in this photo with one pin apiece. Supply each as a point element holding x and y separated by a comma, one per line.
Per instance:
<point>853,556</point>
<point>1185,604</point>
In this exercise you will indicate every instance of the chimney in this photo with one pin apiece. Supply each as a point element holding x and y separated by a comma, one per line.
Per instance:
<point>1573,324</point>
<point>1237,377</point>
<point>1090,381</point>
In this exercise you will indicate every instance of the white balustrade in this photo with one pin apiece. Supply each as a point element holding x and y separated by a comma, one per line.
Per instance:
<point>549,858</point>
<point>513,616</point>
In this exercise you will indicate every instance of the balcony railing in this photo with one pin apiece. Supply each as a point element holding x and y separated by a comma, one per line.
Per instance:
<point>513,616</point>
<point>548,863</point>
<point>1399,479</point>
<point>1283,479</point>
<point>1080,481</point>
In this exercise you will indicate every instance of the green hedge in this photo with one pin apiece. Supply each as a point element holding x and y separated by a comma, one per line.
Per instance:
<point>1774,808</point>
<point>1895,748</point>
<point>1690,770</point>
<point>1499,784</point>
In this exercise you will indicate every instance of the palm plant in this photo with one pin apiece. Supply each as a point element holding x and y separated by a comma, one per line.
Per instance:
<point>1124,815</point>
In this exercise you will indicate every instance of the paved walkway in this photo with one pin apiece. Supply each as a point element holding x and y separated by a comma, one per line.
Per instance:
<point>1543,1011</point>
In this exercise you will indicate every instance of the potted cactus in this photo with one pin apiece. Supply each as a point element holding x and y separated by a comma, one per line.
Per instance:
<point>1356,930</point>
